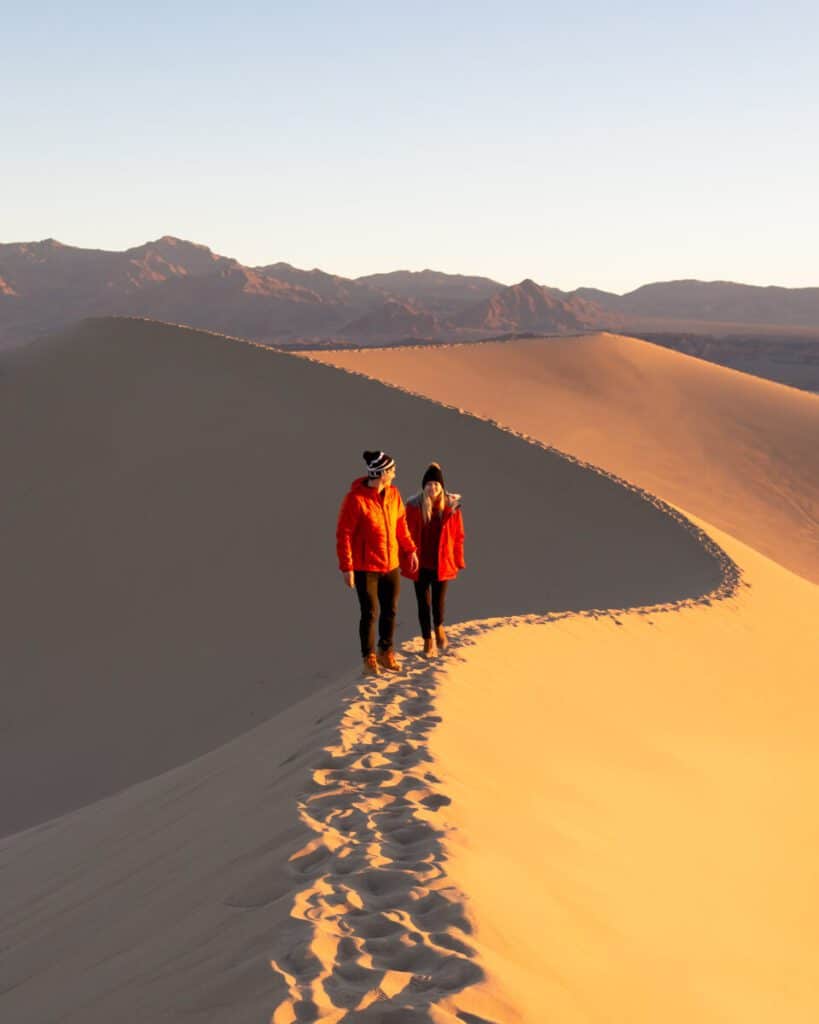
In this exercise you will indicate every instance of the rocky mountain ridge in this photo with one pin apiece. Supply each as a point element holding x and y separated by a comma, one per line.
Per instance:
<point>45,285</point>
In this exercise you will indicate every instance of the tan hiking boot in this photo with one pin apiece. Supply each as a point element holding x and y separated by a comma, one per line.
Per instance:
<point>429,647</point>
<point>387,660</point>
<point>440,636</point>
<point>370,666</point>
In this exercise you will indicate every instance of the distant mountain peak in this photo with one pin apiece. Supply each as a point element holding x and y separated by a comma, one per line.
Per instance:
<point>529,306</point>
<point>38,246</point>
<point>172,242</point>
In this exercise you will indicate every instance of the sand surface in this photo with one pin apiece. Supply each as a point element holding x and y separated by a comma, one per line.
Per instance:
<point>629,827</point>
<point>164,901</point>
<point>578,815</point>
<point>169,576</point>
<point>633,804</point>
<point>740,452</point>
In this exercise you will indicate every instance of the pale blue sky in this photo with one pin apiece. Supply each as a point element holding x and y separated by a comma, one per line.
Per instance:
<point>595,146</point>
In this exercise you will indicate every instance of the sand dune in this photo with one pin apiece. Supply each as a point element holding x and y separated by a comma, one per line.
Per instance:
<point>739,452</point>
<point>460,842</point>
<point>169,576</point>
<point>162,903</point>
<point>586,817</point>
<point>626,794</point>
<point>640,837</point>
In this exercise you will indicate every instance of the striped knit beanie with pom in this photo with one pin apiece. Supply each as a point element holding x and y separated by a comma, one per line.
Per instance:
<point>378,463</point>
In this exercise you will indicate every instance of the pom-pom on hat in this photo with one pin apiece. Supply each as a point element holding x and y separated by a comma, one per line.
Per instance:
<point>433,473</point>
<point>378,463</point>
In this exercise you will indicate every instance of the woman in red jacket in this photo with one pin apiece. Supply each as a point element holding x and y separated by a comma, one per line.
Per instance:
<point>436,526</point>
<point>372,539</point>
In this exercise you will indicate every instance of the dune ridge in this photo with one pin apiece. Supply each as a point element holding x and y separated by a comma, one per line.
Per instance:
<point>164,899</point>
<point>164,542</point>
<point>575,932</point>
<point>383,931</point>
<point>737,451</point>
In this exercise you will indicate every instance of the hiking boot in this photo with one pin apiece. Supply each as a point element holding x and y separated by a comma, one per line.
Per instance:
<point>387,660</point>
<point>429,647</point>
<point>370,666</point>
<point>440,636</point>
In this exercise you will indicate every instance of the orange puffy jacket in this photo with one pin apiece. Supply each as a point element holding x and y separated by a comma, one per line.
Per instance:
<point>451,544</point>
<point>372,529</point>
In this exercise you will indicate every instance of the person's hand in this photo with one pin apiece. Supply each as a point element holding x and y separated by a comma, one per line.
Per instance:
<point>413,563</point>
<point>349,579</point>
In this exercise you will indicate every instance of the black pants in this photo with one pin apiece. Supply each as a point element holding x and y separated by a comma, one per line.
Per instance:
<point>431,596</point>
<point>377,589</point>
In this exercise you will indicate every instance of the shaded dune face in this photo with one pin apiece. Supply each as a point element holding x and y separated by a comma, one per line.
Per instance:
<point>169,577</point>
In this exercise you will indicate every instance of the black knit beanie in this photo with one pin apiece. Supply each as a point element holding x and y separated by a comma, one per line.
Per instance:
<point>377,463</point>
<point>433,473</point>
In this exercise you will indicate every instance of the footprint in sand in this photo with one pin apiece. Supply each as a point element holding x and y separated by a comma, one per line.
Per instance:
<point>385,938</point>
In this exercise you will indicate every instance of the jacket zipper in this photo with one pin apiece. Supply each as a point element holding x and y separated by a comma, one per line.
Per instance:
<point>444,518</point>
<point>383,505</point>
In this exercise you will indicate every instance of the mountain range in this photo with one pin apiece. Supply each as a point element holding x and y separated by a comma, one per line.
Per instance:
<point>44,285</point>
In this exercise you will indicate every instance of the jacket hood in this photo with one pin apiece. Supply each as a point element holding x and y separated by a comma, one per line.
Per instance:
<point>360,486</point>
<point>453,501</point>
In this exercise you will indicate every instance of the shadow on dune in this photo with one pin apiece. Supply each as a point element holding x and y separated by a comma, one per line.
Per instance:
<point>169,577</point>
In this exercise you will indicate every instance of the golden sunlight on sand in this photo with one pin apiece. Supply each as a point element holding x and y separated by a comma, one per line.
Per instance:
<point>629,821</point>
<point>738,451</point>
<point>634,800</point>
<point>577,815</point>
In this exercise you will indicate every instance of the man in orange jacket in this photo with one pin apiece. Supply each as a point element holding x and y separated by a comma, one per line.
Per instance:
<point>370,535</point>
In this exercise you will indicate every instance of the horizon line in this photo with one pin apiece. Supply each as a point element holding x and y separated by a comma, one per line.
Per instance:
<point>400,270</point>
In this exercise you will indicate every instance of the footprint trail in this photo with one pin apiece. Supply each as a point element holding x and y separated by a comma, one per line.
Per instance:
<point>384,935</point>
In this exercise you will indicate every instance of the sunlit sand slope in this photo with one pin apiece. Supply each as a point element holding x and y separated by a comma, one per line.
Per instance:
<point>632,828</point>
<point>169,578</point>
<point>740,452</point>
<point>634,801</point>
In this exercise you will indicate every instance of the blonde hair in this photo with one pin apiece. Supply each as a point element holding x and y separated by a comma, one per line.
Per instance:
<point>428,506</point>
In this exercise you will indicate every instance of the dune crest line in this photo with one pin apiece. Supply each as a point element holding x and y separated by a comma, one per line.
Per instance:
<point>382,933</point>
<point>731,574</point>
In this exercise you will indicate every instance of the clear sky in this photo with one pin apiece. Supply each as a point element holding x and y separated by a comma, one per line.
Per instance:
<point>598,144</point>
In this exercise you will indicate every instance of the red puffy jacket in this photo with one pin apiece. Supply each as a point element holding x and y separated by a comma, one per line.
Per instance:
<point>372,529</point>
<point>451,544</point>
